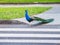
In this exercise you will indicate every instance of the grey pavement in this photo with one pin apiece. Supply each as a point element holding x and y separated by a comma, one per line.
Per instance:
<point>49,37</point>
<point>53,13</point>
<point>29,44</point>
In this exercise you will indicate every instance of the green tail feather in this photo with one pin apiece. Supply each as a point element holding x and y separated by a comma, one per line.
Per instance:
<point>39,19</point>
<point>44,20</point>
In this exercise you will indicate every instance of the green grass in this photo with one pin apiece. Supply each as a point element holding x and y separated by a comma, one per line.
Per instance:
<point>27,1</point>
<point>19,12</point>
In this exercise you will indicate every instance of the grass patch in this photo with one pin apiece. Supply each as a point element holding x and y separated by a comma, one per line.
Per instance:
<point>27,1</point>
<point>19,12</point>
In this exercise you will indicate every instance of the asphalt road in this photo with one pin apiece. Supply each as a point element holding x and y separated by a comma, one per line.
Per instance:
<point>29,44</point>
<point>28,26</point>
<point>14,36</point>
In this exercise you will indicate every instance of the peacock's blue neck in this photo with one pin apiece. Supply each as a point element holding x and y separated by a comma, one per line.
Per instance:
<point>28,18</point>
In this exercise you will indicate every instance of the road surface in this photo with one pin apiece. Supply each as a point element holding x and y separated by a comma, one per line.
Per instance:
<point>30,36</point>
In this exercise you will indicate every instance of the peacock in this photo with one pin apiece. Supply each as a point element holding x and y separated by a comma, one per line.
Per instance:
<point>37,19</point>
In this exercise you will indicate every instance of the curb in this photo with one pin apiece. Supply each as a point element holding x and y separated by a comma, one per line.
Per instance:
<point>33,3</point>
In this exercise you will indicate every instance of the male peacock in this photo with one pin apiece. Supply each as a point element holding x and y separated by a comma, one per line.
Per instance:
<point>37,19</point>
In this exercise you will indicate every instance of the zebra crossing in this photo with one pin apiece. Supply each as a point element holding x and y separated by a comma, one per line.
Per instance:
<point>29,36</point>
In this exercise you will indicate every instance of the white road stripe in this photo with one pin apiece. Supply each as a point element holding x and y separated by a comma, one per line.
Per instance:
<point>31,41</point>
<point>29,35</point>
<point>28,29</point>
